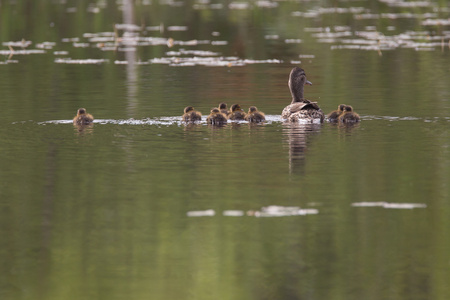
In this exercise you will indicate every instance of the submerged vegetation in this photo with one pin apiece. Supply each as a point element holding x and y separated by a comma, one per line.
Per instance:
<point>139,203</point>
<point>67,27</point>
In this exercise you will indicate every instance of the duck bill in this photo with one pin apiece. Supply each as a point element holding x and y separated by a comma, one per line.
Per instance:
<point>308,82</point>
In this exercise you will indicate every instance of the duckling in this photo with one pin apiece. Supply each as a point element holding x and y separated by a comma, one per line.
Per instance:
<point>223,108</point>
<point>236,113</point>
<point>83,118</point>
<point>191,115</point>
<point>216,117</point>
<point>254,115</point>
<point>349,116</point>
<point>334,115</point>
<point>301,108</point>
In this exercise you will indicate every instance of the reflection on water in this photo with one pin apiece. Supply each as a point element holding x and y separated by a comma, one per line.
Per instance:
<point>268,211</point>
<point>390,205</point>
<point>84,128</point>
<point>139,205</point>
<point>270,119</point>
<point>346,128</point>
<point>297,136</point>
<point>131,71</point>
<point>165,121</point>
<point>182,200</point>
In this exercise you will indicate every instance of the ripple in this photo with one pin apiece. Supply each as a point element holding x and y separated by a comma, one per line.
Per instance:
<point>22,52</point>
<point>176,120</point>
<point>201,213</point>
<point>233,213</point>
<point>391,118</point>
<point>81,61</point>
<point>268,211</point>
<point>390,205</point>
<point>166,121</point>
<point>282,211</point>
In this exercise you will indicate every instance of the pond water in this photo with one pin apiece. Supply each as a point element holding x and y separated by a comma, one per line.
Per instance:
<point>142,206</point>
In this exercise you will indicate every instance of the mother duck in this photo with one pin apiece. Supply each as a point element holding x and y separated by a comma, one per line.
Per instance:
<point>301,109</point>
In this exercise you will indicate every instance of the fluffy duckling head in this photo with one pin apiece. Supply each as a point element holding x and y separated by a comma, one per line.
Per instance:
<point>235,107</point>
<point>252,109</point>
<point>188,109</point>
<point>348,108</point>
<point>81,111</point>
<point>222,105</point>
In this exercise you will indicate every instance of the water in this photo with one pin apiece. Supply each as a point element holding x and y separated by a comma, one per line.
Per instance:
<point>141,206</point>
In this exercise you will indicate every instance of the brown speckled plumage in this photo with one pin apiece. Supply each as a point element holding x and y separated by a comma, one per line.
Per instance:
<point>254,115</point>
<point>334,115</point>
<point>223,108</point>
<point>349,116</point>
<point>236,113</point>
<point>216,117</point>
<point>300,108</point>
<point>191,115</point>
<point>83,118</point>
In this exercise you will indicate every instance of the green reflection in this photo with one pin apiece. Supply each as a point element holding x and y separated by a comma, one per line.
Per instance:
<point>102,213</point>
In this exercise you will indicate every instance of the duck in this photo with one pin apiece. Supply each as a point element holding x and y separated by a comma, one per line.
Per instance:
<point>83,118</point>
<point>191,115</point>
<point>301,108</point>
<point>216,117</point>
<point>334,115</point>
<point>254,115</point>
<point>223,108</point>
<point>236,113</point>
<point>349,116</point>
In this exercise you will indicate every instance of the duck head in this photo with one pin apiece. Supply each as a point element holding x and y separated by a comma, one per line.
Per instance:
<point>348,108</point>
<point>222,105</point>
<point>297,80</point>
<point>81,111</point>
<point>252,109</point>
<point>235,107</point>
<point>188,109</point>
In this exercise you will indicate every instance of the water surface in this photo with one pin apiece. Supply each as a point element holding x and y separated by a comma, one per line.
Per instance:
<point>141,206</point>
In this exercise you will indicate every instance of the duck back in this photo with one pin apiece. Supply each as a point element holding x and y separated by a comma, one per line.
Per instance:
<point>237,115</point>
<point>83,118</point>
<point>308,111</point>
<point>192,116</point>
<point>254,115</point>
<point>349,117</point>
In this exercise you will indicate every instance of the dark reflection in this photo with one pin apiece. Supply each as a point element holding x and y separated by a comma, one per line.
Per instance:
<point>130,55</point>
<point>83,128</point>
<point>348,127</point>
<point>252,125</point>
<point>345,127</point>
<point>236,125</point>
<point>217,126</point>
<point>191,126</point>
<point>122,232</point>
<point>297,137</point>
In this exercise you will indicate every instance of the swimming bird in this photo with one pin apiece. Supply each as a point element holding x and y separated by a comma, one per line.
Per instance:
<point>191,115</point>
<point>83,118</point>
<point>254,115</point>
<point>334,115</point>
<point>301,108</point>
<point>236,113</point>
<point>349,116</point>
<point>216,117</point>
<point>223,108</point>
